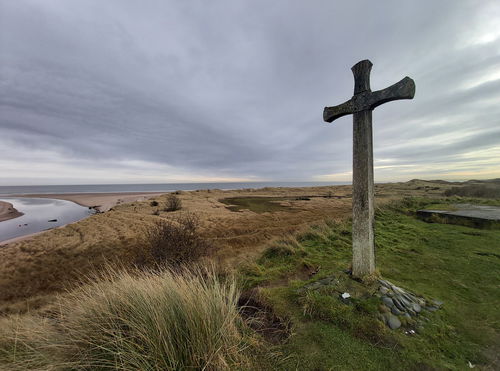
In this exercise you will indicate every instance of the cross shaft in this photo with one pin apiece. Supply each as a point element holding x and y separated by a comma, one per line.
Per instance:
<point>361,105</point>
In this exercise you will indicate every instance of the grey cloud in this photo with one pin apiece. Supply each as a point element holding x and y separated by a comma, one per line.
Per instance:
<point>237,88</point>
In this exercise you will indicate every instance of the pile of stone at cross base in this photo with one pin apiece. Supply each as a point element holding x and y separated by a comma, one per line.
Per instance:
<point>398,303</point>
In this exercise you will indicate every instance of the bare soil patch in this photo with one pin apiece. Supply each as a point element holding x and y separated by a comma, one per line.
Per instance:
<point>261,318</point>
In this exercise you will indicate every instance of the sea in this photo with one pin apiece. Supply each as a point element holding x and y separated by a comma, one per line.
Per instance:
<point>40,214</point>
<point>166,187</point>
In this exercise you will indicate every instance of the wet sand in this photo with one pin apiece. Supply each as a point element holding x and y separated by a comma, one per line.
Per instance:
<point>99,201</point>
<point>7,211</point>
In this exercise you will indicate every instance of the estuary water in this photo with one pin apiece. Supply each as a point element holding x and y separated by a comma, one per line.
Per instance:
<point>40,214</point>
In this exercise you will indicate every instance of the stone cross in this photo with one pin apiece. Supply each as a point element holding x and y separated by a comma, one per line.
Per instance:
<point>361,106</point>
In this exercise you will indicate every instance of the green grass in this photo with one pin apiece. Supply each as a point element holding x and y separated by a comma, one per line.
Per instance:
<point>488,190</point>
<point>444,207</point>
<point>255,204</point>
<point>190,320</point>
<point>457,264</point>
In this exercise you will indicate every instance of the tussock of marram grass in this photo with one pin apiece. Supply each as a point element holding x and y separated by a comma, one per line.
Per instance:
<point>25,344</point>
<point>165,321</point>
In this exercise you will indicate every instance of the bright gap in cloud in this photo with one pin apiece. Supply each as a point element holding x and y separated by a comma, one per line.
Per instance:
<point>477,81</point>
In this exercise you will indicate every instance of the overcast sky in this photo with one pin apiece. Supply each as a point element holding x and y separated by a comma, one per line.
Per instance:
<point>146,91</point>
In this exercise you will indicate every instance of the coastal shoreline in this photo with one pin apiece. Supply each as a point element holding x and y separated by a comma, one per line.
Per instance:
<point>7,211</point>
<point>57,259</point>
<point>100,201</point>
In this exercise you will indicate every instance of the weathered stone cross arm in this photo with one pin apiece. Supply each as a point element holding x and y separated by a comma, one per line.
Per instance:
<point>365,99</point>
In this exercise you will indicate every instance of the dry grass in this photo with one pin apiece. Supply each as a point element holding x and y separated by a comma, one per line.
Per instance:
<point>57,260</point>
<point>141,321</point>
<point>32,271</point>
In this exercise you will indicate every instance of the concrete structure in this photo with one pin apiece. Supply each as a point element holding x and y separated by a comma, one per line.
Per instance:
<point>480,216</point>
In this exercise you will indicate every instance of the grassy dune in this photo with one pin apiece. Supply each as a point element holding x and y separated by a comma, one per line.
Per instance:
<point>133,320</point>
<point>142,321</point>
<point>34,270</point>
<point>195,320</point>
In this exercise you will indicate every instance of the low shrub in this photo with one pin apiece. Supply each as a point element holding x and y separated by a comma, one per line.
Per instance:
<point>141,321</point>
<point>174,203</point>
<point>153,203</point>
<point>176,242</point>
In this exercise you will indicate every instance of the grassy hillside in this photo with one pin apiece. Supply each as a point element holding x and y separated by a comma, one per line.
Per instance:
<point>289,315</point>
<point>240,223</point>
<point>456,264</point>
<point>34,270</point>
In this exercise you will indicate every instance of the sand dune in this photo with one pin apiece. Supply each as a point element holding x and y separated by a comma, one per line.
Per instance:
<point>33,270</point>
<point>7,211</point>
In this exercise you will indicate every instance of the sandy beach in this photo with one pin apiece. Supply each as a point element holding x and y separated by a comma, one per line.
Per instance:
<point>99,201</point>
<point>7,211</point>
